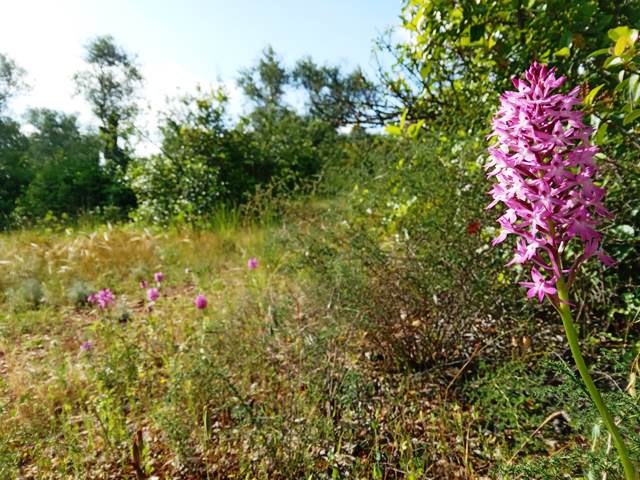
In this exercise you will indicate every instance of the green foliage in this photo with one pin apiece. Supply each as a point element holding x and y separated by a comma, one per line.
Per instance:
<point>11,82</point>
<point>281,145</point>
<point>265,83</point>
<point>403,129</point>
<point>109,84</point>
<point>337,97</point>
<point>28,294</point>
<point>610,106</point>
<point>463,54</point>
<point>169,191</point>
<point>67,176</point>
<point>285,146</point>
<point>184,184</point>
<point>78,292</point>
<point>547,397</point>
<point>14,170</point>
<point>613,103</point>
<point>207,165</point>
<point>406,248</point>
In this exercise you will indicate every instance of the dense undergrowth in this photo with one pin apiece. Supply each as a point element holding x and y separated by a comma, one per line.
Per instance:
<point>378,338</point>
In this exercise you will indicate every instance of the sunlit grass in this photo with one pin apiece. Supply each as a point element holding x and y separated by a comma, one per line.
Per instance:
<point>271,380</point>
<point>263,382</point>
<point>48,382</point>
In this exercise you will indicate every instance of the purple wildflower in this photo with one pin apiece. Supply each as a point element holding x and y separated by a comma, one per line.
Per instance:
<point>143,284</point>
<point>86,346</point>
<point>252,264</point>
<point>543,163</point>
<point>158,277</point>
<point>153,294</point>
<point>104,298</point>
<point>200,302</point>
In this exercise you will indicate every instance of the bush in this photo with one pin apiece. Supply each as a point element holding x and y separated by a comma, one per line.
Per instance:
<point>78,292</point>
<point>407,251</point>
<point>28,294</point>
<point>168,191</point>
<point>67,177</point>
<point>206,165</point>
<point>14,170</point>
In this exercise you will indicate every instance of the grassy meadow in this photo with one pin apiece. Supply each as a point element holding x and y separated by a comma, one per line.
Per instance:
<point>262,383</point>
<point>266,382</point>
<point>276,378</point>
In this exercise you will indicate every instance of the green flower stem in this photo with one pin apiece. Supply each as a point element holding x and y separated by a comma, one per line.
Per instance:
<point>630,471</point>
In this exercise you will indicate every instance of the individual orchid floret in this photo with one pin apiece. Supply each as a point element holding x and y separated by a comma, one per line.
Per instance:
<point>539,287</point>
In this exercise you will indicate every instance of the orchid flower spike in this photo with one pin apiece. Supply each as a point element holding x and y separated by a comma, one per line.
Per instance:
<point>544,171</point>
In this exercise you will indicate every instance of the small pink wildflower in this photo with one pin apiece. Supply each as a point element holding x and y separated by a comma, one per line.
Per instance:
<point>252,264</point>
<point>158,277</point>
<point>104,298</point>
<point>153,294</point>
<point>143,284</point>
<point>200,302</point>
<point>86,346</point>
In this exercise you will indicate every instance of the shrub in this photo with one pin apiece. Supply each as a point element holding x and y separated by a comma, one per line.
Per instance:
<point>28,294</point>
<point>78,292</point>
<point>406,250</point>
<point>14,170</point>
<point>67,175</point>
<point>206,165</point>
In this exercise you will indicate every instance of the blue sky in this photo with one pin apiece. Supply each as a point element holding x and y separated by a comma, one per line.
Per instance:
<point>183,43</point>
